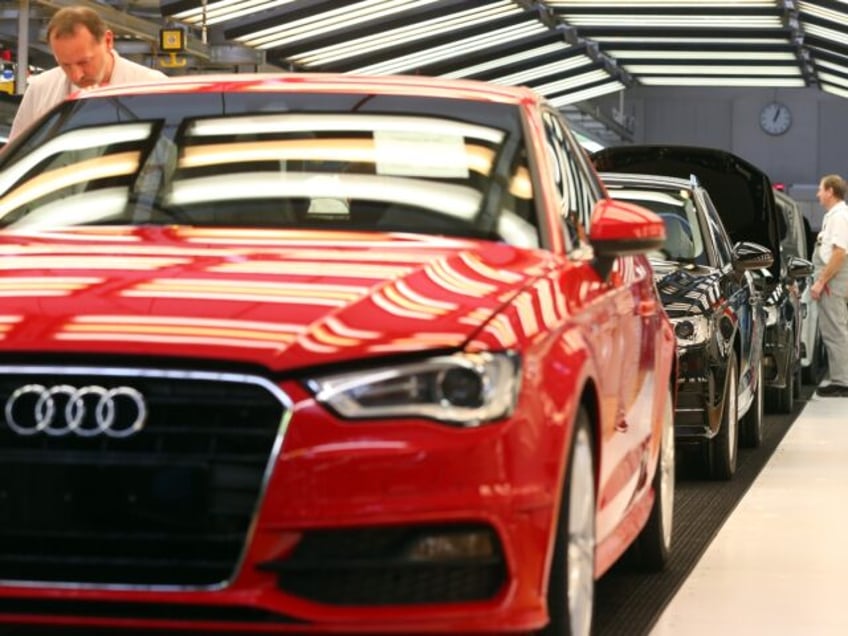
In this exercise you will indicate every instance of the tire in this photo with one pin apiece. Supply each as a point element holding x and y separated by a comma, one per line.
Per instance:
<point>571,589</point>
<point>724,446</point>
<point>652,547</point>
<point>798,381</point>
<point>813,373</point>
<point>783,399</point>
<point>751,424</point>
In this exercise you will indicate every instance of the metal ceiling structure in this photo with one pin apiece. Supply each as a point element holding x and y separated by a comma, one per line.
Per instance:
<point>572,51</point>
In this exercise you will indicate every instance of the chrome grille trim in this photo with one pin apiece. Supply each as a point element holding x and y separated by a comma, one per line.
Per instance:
<point>177,375</point>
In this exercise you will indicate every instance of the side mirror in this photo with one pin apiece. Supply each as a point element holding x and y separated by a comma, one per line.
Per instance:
<point>798,267</point>
<point>619,228</point>
<point>748,255</point>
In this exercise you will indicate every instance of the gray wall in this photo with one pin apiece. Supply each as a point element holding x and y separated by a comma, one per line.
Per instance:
<point>815,144</point>
<point>728,118</point>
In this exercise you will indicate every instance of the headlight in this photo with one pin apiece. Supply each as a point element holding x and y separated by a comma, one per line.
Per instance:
<point>462,389</point>
<point>692,329</point>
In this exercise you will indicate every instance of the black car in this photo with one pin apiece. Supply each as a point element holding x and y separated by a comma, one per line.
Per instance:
<point>744,199</point>
<point>708,290</point>
<point>796,242</point>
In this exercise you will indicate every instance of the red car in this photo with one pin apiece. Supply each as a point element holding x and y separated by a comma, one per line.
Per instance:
<point>313,354</point>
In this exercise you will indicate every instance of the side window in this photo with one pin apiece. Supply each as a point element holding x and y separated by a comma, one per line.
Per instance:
<point>720,240</point>
<point>577,190</point>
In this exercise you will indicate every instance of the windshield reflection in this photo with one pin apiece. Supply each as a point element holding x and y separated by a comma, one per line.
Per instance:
<point>393,172</point>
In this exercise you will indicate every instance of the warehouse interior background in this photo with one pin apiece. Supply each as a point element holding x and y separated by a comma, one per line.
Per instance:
<point>623,71</point>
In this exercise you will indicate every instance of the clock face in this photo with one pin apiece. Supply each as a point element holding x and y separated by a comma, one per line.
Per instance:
<point>775,118</point>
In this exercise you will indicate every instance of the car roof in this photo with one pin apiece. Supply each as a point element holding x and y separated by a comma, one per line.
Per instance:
<point>411,85</point>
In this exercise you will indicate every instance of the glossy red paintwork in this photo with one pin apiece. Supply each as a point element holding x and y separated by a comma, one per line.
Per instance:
<point>286,300</point>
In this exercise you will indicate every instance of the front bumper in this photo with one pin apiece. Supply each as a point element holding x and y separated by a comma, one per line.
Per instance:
<point>342,529</point>
<point>699,389</point>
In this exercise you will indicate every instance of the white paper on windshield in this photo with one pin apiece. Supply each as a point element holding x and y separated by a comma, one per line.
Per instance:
<point>425,154</point>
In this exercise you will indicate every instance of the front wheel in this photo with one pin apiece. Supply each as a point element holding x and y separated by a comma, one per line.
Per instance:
<point>724,446</point>
<point>653,545</point>
<point>752,422</point>
<point>571,589</point>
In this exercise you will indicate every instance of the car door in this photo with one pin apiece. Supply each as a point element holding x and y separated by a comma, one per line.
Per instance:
<point>742,299</point>
<point>620,319</point>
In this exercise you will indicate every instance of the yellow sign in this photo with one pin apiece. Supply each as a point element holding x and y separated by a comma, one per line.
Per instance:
<point>7,87</point>
<point>172,40</point>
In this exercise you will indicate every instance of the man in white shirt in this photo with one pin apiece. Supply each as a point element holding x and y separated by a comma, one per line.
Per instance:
<point>830,288</point>
<point>84,50</point>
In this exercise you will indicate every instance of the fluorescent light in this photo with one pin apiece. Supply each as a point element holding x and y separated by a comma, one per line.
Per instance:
<point>656,69</point>
<point>834,67</point>
<point>507,60</point>
<point>693,42</point>
<point>571,83</point>
<point>451,50</point>
<point>544,70</point>
<point>382,40</point>
<point>779,82</point>
<point>825,33</point>
<point>819,11</point>
<point>663,4</point>
<point>633,54</point>
<point>625,21</point>
<point>226,10</point>
<point>320,24</point>
<point>589,93</point>
<point>827,88</point>
<point>834,79</point>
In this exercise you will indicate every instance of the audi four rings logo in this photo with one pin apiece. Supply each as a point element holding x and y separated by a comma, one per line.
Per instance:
<point>86,411</point>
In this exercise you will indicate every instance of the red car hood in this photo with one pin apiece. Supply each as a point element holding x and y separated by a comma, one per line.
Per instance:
<point>281,299</point>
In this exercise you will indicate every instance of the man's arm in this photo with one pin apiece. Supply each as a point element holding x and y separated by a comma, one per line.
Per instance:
<point>837,258</point>
<point>24,116</point>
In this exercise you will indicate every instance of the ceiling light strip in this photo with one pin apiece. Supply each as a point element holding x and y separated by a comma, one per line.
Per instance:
<point>507,60</point>
<point>633,54</point>
<point>778,82</point>
<point>321,24</point>
<point>834,90</point>
<point>826,34</point>
<point>830,78</point>
<point>693,42</point>
<point>389,39</point>
<point>571,83</point>
<point>588,93</point>
<point>449,51</point>
<point>832,66</point>
<point>544,70</point>
<point>630,21</point>
<point>228,10</point>
<point>659,4</point>
<point>717,69</point>
<point>819,11</point>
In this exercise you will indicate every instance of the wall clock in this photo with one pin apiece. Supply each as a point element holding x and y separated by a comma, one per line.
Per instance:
<point>775,118</point>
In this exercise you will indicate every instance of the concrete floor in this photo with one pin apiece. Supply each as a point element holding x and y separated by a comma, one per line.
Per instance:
<point>778,565</point>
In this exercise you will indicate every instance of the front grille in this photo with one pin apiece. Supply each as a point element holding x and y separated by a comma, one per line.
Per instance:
<point>373,566</point>
<point>169,505</point>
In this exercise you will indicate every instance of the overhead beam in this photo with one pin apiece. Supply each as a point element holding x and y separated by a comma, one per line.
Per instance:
<point>129,24</point>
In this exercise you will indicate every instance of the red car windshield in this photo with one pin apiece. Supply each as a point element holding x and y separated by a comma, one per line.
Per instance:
<point>280,160</point>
